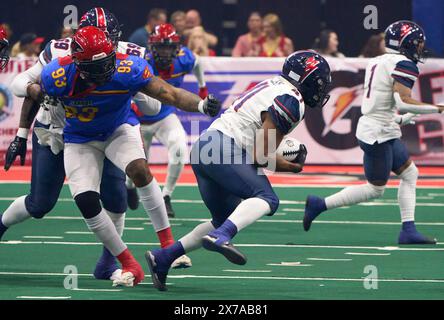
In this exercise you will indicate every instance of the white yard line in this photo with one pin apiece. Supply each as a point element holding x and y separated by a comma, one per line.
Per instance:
<point>246,271</point>
<point>42,237</point>
<point>43,298</point>
<point>367,254</point>
<point>327,259</point>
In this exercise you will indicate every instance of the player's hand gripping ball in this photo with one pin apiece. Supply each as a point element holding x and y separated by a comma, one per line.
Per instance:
<point>292,150</point>
<point>211,105</point>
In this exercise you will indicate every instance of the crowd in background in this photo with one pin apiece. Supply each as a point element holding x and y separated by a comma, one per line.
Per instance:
<point>265,37</point>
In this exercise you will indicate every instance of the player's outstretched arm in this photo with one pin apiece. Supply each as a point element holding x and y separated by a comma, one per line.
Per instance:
<point>182,99</point>
<point>405,102</point>
<point>265,148</point>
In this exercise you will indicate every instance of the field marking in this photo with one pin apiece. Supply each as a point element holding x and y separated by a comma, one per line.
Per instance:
<point>245,271</point>
<point>42,237</point>
<point>367,254</point>
<point>265,221</point>
<point>43,297</point>
<point>240,277</point>
<point>388,202</point>
<point>96,290</point>
<point>253,245</point>
<point>328,259</point>
<point>133,229</point>
<point>289,264</point>
<point>79,232</point>
<point>293,210</point>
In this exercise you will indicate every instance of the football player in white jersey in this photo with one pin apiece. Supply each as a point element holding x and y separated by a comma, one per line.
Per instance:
<point>228,157</point>
<point>48,172</point>
<point>389,80</point>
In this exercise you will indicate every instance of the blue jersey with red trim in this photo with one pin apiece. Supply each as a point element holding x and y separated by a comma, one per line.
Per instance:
<point>95,113</point>
<point>182,65</point>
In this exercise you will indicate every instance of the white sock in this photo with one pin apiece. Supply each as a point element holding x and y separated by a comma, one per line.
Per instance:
<point>105,231</point>
<point>407,193</point>
<point>152,200</point>
<point>173,174</point>
<point>353,195</point>
<point>193,240</point>
<point>15,213</point>
<point>118,220</point>
<point>248,211</point>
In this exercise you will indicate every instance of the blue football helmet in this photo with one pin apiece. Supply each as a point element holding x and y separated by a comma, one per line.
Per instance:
<point>407,38</point>
<point>104,20</point>
<point>309,72</point>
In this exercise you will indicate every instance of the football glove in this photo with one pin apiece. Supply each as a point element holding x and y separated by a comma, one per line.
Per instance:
<point>16,148</point>
<point>211,106</point>
<point>405,119</point>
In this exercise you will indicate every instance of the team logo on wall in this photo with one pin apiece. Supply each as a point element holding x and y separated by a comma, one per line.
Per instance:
<point>334,126</point>
<point>5,102</point>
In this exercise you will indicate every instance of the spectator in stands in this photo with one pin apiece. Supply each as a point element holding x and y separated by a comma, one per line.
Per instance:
<point>66,32</point>
<point>155,17</point>
<point>327,44</point>
<point>29,46</point>
<point>374,47</point>
<point>274,43</point>
<point>198,43</point>
<point>247,45</point>
<point>178,20</point>
<point>193,20</point>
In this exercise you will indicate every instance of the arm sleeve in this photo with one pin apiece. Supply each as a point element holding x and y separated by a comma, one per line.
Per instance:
<point>418,109</point>
<point>285,113</point>
<point>406,73</point>
<point>198,71</point>
<point>22,80</point>
<point>147,105</point>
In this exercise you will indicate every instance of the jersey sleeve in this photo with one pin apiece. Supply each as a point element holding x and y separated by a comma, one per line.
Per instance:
<point>187,59</point>
<point>142,73</point>
<point>45,56</point>
<point>406,72</point>
<point>285,112</point>
<point>52,86</point>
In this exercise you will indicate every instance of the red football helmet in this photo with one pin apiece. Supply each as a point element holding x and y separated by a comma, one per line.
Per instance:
<point>164,43</point>
<point>4,45</point>
<point>94,54</point>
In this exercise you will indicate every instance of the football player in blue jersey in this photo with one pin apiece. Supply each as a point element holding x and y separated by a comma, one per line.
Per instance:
<point>228,157</point>
<point>171,62</point>
<point>96,86</point>
<point>48,173</point>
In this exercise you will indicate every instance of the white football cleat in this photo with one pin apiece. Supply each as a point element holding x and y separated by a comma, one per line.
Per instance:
<point>126,280</point>
<point>182,262</point>
<point>117,275</point>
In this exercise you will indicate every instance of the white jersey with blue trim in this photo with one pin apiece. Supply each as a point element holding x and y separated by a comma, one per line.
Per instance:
<point>377,123</point>
<point>276,96</point>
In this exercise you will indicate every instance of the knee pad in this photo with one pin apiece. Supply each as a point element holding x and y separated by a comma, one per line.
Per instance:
<point>410,174</point>
<point>89,204</point>
<point>375,191</point>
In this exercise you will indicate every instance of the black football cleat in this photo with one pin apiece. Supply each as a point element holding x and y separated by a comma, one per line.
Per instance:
<point>225,248</point>
<point>158,278</point>
<point>169,207</point>
<point>133,198</point>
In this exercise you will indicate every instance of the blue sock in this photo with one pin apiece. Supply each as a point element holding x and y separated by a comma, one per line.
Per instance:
<point>175,250</point>
<point>107,256</point>
<point>227,229</point>
<point>3,228</point>
<point>409,226</point>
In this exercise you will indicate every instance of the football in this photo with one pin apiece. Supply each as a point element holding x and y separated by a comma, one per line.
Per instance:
<point>289,148</point>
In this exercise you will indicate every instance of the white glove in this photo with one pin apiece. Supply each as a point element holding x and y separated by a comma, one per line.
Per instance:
<point>405,119</point>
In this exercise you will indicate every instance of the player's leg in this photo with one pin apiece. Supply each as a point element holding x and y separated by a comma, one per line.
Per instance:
<point>114,201</point>
<point>147,132</point>
<point>84,164</point>
<point>47,179</point>
<point>408,174</point>
<point>172,135</point>
<point>378,160</point>
<point>126,152</point>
